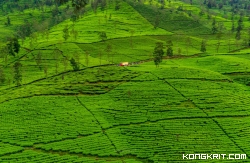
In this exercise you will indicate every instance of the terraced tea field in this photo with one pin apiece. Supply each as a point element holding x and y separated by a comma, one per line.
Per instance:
<point>74,103</point>
<point>152,116</point>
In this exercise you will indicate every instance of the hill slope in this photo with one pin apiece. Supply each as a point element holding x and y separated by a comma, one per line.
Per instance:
<point>193,103</point>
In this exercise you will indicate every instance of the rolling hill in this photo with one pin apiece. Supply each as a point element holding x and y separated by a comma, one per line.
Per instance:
<point>75,104</point>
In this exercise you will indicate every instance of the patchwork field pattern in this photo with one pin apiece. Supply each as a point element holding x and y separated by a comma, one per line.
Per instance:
<point>194,102</point>
<point>152,117</point>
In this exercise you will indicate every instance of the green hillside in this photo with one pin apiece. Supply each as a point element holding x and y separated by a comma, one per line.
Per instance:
<point>65,98</point>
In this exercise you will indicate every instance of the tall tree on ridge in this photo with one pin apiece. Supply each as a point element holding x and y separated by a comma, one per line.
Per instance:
<point>78,5</point>
<point>239,28</point>
<point>214,28</point>
<point>2,76</point>
<point>158,53</point>
<point>17,73</point>
<point>203,46</point>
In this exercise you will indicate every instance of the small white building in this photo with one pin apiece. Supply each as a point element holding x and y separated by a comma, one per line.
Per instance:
<point>124,64</point>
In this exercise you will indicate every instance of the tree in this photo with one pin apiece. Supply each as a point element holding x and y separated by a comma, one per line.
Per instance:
<point>87,58</point>
<point>2,76</point>
<point>117,5</point>
<point>203,46</point>
<point>8,23</point>
<point>100,57</point>
<point>158,53</point>
<point>77,56</point>
<point>157,22</point>
<point>179,51</point>
<point>239,28</point>
<point>103,4</point>
<point>66,33</point>
<point>108,50</point>
<point>169,48</point>
<point>169,43</point>
<point>47,34</point>
<point>103,36</point>
<point>56,53</point>
<point>74,32</point>
<point>188,43</point>
<point>115,23</point>
<point>17,73</point>
<point>57,66</point>
<point>45,70</point>
<point>214,28</point>
<point>233,28</point>
<point>10,48</point>
<point>74,64</point>
<point>131,35</point>
<point>218,36</point>
<point>94,5</point>
<point>65,63</point>
<point>4,51</point>
<point>162,4</point>
<point>16,45</point>
<point>38,59</point>
<point>73,18</point>
<point>170,51</point>
<point>78,5</point>
<point>248,36</point>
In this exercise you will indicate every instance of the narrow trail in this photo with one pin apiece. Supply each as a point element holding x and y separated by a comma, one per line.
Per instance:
<point>103,130</point>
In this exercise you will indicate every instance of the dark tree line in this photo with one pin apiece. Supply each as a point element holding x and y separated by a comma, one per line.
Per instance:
<point>13,46</point>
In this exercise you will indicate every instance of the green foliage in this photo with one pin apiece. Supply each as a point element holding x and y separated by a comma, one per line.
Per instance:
<point>8,23</point>
<point>239,28</point>
<point>94,5</point>
<point>170,51</point>
<point>6,148</point>
<point>203,46</point>
<point>108,50</point>
<point>10,48</point>
<point>158,53</point>
<point>103,36</point>
<point>134,107</point>
<point>17,73</point>
<point>233,28</point>
<point>57,117</point>
<point>99,141</point>
<point>117,5</point>
<point>38,59</point>
<point>103,4</point>
<point>66,33</point>
<point>13,46</point>
<point>2,76</point>
<point>78,5</point>
<point>74,18</point>
<point>157,22</point>
<point>74,65</point>
<point>16,45</point>
<point>162,4</point>
<point>25,29</point>
<point>214,27</point>
<point>169,43</point>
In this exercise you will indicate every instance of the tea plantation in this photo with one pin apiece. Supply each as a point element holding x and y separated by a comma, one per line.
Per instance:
<point>64,98</point>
